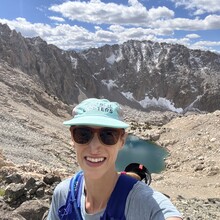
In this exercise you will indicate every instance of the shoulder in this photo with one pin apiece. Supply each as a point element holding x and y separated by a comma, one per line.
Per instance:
<point>141,191</point>
<point>146,193</point>
<point>145,201</point>
<point>59,199</point>
<point>62,188</point>
<point>63,184</point>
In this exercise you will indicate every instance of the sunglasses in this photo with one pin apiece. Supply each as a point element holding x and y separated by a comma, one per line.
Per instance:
<point>84,135</point>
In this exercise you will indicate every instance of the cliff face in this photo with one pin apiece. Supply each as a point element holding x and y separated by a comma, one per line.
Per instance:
<point>146,70</point>
<point>143,75</point>
<point>53,68</point>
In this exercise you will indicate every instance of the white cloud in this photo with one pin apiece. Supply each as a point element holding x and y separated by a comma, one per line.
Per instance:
<point>207,43</point>
<point>183,41</point>
<point>54,18</point>
<point>134,3</point>
<point>212,22</point>
<point>106,36</point>
<point>199,6</point>
<point>98,12</point>
<point>63,35</point>
<point>209,23</point>
<point>202,45</point>
<point>139,32</point>
<point>26,28</point>
<point>136,14</point>
<point>76,37</point>
<point>125,22</point>
<point>160,13</point>
<point>192,36</point>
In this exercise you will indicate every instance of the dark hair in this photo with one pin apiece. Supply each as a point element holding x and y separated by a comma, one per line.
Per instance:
<point>141,171</point>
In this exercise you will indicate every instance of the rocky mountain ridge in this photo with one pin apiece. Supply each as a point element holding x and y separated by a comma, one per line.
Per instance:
<point>144,75</point>
<point>161,70</point>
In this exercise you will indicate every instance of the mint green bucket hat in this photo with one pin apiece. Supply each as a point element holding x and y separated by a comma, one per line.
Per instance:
<point>97,112</point>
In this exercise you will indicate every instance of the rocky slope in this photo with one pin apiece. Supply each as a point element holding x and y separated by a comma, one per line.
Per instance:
<point>36,151</point>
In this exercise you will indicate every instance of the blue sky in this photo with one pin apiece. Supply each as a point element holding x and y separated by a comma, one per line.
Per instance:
<point>84,24</point>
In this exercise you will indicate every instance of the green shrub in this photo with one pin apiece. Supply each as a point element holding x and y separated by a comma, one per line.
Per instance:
<point>2,192</point>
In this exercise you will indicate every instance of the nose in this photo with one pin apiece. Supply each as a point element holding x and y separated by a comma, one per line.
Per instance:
<point>95,144</point>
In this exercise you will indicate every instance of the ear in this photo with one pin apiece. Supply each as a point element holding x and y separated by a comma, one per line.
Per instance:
<point>123,139</point>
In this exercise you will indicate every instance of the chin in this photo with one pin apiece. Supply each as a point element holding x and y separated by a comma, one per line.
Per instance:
<point>93,174</point>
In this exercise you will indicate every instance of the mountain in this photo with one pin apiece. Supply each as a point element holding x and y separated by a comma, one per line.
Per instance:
<point>158,73</point>
<point>141,74</point>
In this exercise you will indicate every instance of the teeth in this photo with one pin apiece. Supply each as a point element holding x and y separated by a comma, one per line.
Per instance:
<point>95,160</point>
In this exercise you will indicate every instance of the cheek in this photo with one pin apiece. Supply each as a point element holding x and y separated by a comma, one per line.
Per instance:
<point>78,150</point>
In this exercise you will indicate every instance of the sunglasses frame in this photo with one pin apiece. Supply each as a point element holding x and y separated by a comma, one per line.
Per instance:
<point>121,131</point>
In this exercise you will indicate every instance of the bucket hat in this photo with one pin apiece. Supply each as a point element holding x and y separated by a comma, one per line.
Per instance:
<point>98,112</point>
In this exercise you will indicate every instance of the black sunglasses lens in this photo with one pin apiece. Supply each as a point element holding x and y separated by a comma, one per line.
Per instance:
<point>109,136</point>
<point>82,135</point>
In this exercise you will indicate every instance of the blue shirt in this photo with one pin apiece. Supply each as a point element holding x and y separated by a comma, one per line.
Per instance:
<point>143,203</point>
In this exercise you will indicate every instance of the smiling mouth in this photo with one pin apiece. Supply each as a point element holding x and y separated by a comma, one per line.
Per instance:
<point>95,160</point>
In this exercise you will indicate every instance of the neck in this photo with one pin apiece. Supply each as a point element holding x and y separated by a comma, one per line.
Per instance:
<point>98,191</point>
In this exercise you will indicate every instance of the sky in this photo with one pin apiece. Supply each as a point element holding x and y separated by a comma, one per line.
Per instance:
<point>83,24</point>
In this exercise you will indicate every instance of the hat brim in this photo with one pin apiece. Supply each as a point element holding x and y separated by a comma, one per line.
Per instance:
<point>96,121</point>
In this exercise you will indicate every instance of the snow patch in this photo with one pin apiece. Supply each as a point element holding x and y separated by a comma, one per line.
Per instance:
<point>109,83</point>
<point>74,62</point>
<point>97,73</point>
<point>160,102</point>
<point>128,95</point>
<point>119,56</point>
<point>190,107</point>
<point>138,65</point>
<point>111,59</point>
<point>115,58</point>
<point>148,102</point>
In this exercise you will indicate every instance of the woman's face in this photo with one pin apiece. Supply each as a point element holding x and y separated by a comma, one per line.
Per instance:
<point>95,158</point>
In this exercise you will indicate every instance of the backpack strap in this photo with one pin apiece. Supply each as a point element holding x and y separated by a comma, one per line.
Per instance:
<point>76,188</point>
<point>116,205</point>
<point>71,210</point>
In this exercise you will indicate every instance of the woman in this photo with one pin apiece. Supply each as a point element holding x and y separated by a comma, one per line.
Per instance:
<point>98,133</point>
